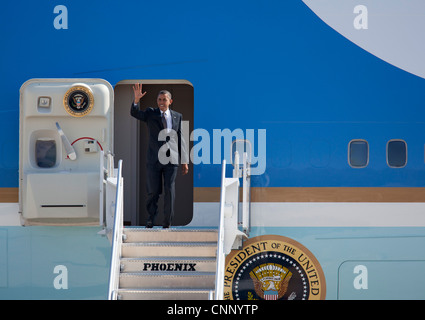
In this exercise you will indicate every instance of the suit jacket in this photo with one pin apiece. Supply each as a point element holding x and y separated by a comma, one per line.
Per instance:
<point>160,140</point>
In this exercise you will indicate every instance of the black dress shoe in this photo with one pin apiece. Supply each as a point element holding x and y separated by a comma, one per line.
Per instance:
<point>165,227</point>
<point>149,224</point>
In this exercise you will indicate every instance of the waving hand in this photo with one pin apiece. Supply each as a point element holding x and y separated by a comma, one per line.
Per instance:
<point>137,89</point>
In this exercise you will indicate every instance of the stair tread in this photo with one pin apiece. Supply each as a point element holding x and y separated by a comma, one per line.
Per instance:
<point>146,264</point>
<point>164,280</point>
<point>171,244</point>
<point>169,235</point>
<point>164,294</point>
<point>163,290</point>
<point>169,273</point>
<point>165,258</point>
<point>143,229</point>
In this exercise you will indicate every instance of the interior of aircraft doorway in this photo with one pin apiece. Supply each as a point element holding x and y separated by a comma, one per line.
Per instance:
<point>131,140</point>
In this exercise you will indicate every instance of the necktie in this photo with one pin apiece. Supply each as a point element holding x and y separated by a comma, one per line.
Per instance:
<point>164,121</point>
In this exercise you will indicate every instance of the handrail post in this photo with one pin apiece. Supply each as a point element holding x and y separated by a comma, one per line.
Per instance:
<point>219,275</point>
<point>116,237</point>
<point>246,190</point>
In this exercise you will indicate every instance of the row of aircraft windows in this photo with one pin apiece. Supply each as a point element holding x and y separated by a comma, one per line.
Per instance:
<point>358,153</point>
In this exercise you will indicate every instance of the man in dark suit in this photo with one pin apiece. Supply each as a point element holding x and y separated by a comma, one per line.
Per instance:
<point>166,149</point>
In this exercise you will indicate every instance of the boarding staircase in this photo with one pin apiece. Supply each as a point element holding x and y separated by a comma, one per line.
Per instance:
<point>167,264</point>
<point>177,263</point>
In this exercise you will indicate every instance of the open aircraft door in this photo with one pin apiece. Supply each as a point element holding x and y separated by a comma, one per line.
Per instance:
<point>66,129</point>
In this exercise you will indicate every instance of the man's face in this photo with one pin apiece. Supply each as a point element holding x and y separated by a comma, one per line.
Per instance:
<point>163,102</point>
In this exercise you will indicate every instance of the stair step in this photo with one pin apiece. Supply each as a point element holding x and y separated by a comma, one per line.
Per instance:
<point>146,264</point>
<point>163,294</point>
<point>168,249</point>
<point>170,235</point>
<point>181,280</point>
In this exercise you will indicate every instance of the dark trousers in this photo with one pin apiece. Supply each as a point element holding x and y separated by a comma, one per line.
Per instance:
<point>156,174</point>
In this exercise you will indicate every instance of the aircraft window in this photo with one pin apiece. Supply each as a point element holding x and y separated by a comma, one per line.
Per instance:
<point>45,153</point>
<point>396,153</point>
<point>358,153</point>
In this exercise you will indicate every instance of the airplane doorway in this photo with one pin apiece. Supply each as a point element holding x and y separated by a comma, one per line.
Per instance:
<point>130,142</point>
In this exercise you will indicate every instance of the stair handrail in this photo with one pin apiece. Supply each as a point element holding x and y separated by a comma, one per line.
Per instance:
<point>244,173</point>
<point>117,236</point>
<point>219,275</point>
<point>246,195</point>
<point>229,235</point>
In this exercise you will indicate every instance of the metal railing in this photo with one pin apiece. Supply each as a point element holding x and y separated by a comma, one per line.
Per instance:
<point>221,257</point>
<point>229,235</point>
<point>116,235</point>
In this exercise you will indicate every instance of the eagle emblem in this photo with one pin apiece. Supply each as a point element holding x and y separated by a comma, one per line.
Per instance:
<point>271,280</point>
<point>78,100</point>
